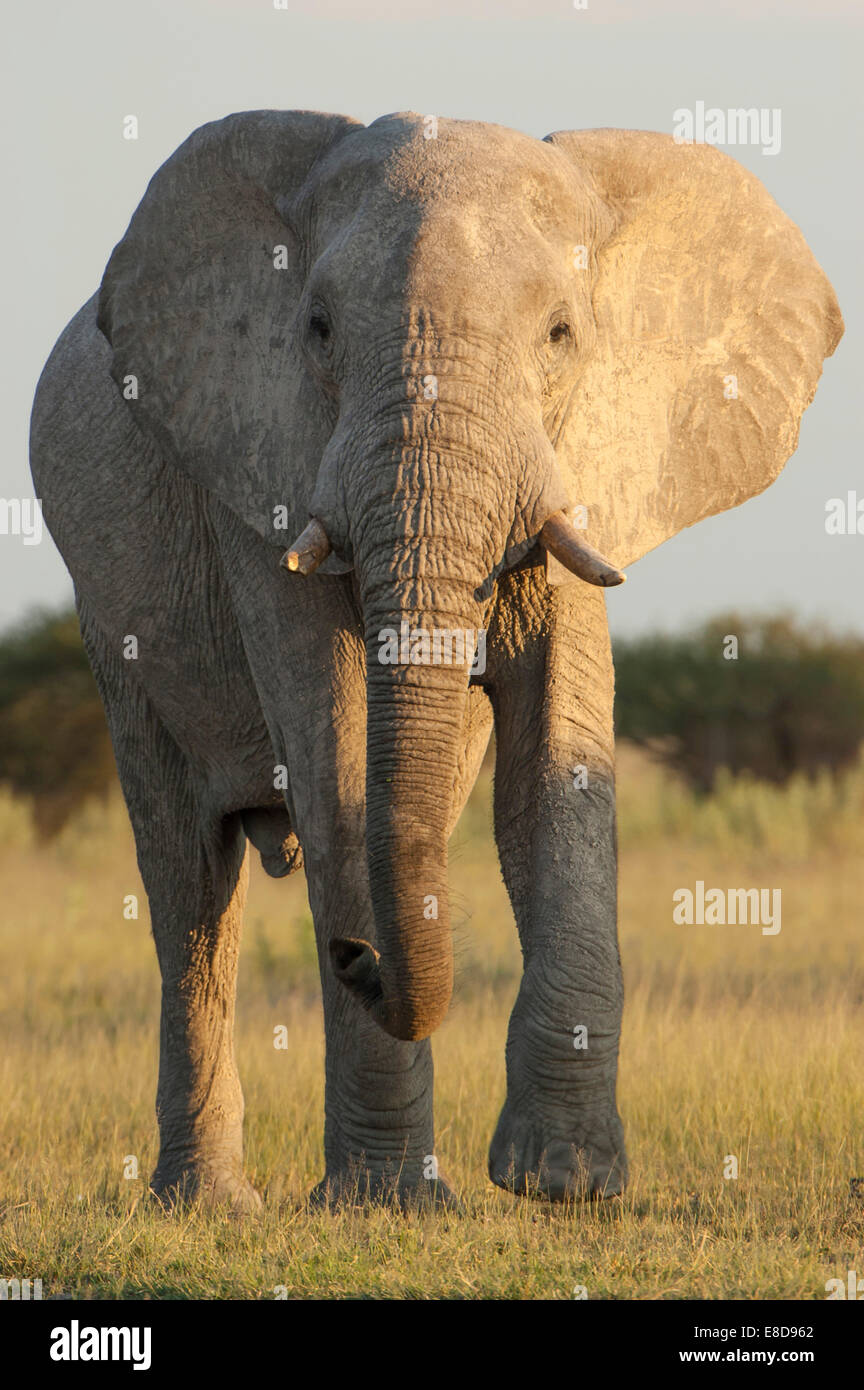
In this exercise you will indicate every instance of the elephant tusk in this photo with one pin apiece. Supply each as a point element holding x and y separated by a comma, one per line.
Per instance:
<point>563,541</point>
<point>309,550</point>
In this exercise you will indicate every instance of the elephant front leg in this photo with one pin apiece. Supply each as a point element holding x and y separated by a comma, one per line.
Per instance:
<point>379,1140</point>
<point>559,1133</point>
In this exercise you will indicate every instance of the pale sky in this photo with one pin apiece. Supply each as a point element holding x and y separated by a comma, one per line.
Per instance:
<point>71,73</point>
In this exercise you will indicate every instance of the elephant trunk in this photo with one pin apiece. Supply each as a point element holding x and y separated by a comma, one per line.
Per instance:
<point>415,718</point>
<point>427,530</point>
<point>417,685</point>
<point>421,550</point>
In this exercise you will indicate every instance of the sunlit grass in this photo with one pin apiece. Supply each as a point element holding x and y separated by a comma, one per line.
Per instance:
<point>734,1044</point>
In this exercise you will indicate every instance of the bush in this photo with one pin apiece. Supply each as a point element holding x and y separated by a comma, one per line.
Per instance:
<point>792,701</point>
<point>54,743</point>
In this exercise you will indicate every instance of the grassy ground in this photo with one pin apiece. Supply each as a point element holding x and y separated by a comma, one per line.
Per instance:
<point>735,1043</point>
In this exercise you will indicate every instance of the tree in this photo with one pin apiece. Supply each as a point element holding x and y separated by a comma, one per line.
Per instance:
<point>793,700</point>
<point>54,743</point>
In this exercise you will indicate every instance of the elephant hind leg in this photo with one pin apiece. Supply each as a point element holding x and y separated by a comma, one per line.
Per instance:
<point>195,872</point>
<point>199,1102</point>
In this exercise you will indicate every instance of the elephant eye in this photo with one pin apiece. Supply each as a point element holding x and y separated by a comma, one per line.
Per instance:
<point>560,331</point>
<point>319,326</point>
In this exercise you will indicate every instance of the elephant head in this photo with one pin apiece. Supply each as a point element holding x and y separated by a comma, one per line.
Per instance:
<point>413,346</point>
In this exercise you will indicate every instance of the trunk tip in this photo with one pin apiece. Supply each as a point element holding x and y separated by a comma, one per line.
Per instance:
<point>357,965</point>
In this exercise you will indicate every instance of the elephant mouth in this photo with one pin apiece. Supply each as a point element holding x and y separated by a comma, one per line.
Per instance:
<point>558,536</point>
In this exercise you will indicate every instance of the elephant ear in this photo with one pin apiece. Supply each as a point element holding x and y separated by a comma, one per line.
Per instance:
<point>198,302</point>
<point>712,321</point>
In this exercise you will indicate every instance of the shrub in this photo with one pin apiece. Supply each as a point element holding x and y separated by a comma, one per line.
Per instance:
<point>792,702</point>
<point>54,743</point>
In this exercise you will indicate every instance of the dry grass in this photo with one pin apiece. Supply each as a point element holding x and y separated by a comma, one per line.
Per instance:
<point>734,1043</point>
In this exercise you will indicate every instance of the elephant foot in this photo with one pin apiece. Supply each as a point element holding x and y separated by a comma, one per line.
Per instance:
<point>559,1170</point>
<point>207,1187</point>
<point>356,1187</point>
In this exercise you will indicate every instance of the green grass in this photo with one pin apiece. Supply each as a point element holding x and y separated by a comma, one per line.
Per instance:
<point>734,1043</point>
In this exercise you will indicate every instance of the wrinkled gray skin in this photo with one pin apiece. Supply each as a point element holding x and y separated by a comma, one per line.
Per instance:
<point>580,302</point>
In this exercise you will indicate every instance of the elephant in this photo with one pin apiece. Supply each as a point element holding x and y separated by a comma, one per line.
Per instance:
<point>344,392</point>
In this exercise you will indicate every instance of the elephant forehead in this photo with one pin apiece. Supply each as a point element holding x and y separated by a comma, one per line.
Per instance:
<point>478,213</point>
<point>426,162</point>
<point>503,262</point>
<point>459,262</point>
